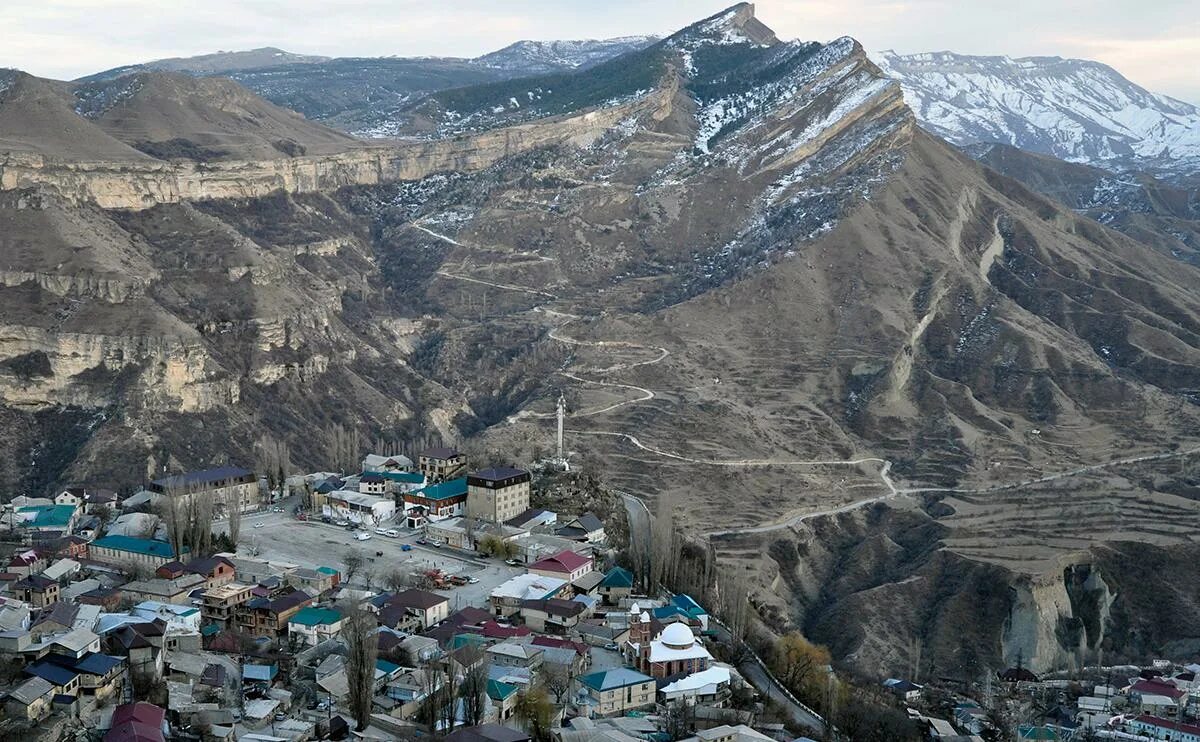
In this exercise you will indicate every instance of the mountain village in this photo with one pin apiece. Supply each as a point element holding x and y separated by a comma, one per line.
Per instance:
<point>479,619</point>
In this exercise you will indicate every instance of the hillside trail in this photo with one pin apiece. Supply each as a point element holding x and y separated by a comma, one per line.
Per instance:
<point>645,395</point>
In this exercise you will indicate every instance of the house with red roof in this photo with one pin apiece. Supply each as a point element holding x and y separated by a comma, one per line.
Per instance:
<point>566,565</point>
<point>1156,696</point>
<point>1157,727</point>
<point>137,722</point>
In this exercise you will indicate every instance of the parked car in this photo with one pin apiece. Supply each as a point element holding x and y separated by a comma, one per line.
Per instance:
<point>362,535</point>
<point>392,533</point>
<point>258,525</point>
<point>612,646</point>
<point>436,543</point>
<point>512,562</point>
<point>473,580</point>
<point>422,541</point>
<point>380,531</point>
<point>405,547</point>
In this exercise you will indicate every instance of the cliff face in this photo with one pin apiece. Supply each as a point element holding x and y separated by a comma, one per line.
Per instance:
<point>140,184</point>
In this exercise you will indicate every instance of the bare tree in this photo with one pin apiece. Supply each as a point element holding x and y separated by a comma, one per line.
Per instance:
<point>664,550</point>
<point>344,445</point>
<point>233,511</point>
<point>473,692</point>
<point>397,580</point>
<point>433,681</point>
<point>362,642</point>
<point>173,513</point>
<point>352,563</point>
<point>200,516</point>
<point>274,460</point>
<point>557,680</point>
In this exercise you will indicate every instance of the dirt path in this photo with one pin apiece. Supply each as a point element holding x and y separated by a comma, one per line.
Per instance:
<point>993,251</point>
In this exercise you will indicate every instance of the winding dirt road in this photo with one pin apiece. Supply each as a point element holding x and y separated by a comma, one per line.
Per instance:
<point>644,395</point>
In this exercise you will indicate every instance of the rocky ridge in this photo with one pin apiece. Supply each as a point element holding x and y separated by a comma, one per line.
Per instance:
<point>1075,110</point>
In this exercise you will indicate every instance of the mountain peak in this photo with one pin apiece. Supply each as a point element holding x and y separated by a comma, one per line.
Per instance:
<point>736,24</point>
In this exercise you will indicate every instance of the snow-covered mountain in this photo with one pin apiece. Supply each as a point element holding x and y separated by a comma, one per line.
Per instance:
<point>538,57</point>
<point>1073,109</point>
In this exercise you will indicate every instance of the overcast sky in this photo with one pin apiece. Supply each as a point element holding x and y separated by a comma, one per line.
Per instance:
<point>1156,43</point>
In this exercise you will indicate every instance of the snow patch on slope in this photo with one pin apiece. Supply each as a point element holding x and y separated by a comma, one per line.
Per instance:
<point>1075,110</point>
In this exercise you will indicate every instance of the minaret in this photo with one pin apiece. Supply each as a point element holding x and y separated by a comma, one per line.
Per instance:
<point>562,414</point>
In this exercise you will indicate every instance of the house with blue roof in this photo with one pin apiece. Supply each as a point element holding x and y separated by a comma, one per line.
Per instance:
<point>311,625</point>
<point>259,674</point>
<point>683,609</point>
<point>435,502</point>
<point>121,550</point>
<point>504,698</point>
<point>615,692</point>
<point>617,584</point>
<point>100,675</point>
<point>66,681</point>
<point>48,518</point>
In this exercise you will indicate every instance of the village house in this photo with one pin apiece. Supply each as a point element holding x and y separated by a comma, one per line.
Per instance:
<point>503,697</point>
<point>616,692</point>
<point>31,700</point>
<point>229,486</point>
<point>73,496</point>
<point>36,590</point>
<point>137,722</point>
<point>319,582</point>
<point>497,494</point>
<point>356,507</point>
<point>311,626</point>
<point>123,550</point>
<point>709,687</point>
<point>587,528</point>
<point>177,591</point>
<point>374,463</point>
<point>101,676</point>
<point>48,519</point>
<point>506,598</point>
<point>441,463</point>
<point>1156,727</point>
<point>1156,697</point>
<point>552,616</point>
<point>435,502</point>
<point>371,483</point>
<point>219,605</point>
<point>269,616</point>
<point>424,607</point>
<point>515,654</point>
<point>216,570</point>
<point>28,562</point>
<point>616,585</point>
<point>566,565</point>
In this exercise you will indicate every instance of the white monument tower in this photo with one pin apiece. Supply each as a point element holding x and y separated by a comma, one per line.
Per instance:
<point>562,415</point>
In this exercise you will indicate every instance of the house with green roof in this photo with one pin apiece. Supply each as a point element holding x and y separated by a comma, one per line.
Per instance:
<point>504,698</point>
<point>311,625</point>
<point>435,502</point>
<point>617,584</point>
<point>57,518</point>
<point>617,691</point>
<point>122,550</point>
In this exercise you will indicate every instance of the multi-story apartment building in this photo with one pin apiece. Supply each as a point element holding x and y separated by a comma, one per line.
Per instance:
<point>497,494</point>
